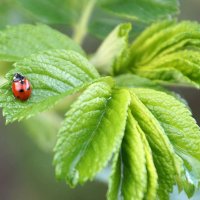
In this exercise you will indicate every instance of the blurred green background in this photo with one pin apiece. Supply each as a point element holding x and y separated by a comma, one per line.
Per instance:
<point>26,171</point>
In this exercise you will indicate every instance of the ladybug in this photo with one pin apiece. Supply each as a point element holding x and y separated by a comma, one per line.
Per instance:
<point>21,87</point>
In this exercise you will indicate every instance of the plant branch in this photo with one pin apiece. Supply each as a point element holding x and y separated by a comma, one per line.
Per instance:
<point>80,29</point>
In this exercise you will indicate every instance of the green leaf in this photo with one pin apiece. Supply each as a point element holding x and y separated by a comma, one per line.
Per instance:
<point>167,76</point>
<point>6,13</point>
<point>163,38</point>
<point>5,67</point>
<point>10,14</point>
<point>152,177</point>
<point>139,46</point>
<point>167,52</point>
<point>53,75</point>
<point>165,159</point>
<point>52,11</point>
<point>113,51</point>
<point>71,12</point>
<point>151,30</point>
<point>142,10</point>
<point>21,41</point>
<point>178,124</point>
<point>134,81</point>
<point>2,80</point>
<point>129,173</point>
<point>186,183</point>
<point>102,23</point>
<point>186,64</point>
<point>91,133</point>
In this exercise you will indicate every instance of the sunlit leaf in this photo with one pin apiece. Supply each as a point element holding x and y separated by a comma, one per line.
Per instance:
<point>53,75</point>
<point>88,138</point>
<point>178,124</point>
<point>112,52</point>
<point>164,156</point>
<point>20,41</point>
<point>182,67</point>
<point>129,173</point>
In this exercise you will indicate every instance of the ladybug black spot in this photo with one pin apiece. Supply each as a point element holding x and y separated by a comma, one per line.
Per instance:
<point>21,90</point>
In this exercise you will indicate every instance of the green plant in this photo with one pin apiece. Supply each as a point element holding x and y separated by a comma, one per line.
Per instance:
<point>124,114</point>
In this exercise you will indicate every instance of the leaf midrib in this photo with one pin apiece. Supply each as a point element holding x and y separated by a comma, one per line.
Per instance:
<point>86,145</point>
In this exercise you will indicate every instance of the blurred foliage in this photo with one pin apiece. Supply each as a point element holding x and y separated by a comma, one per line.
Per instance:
<point>11,13</point>
<point>143,10</point>
<point>43,128</point>
<point>17,42</point>
<point>106,15</point>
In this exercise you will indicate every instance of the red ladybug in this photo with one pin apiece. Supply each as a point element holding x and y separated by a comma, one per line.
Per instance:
<point>21,87</point>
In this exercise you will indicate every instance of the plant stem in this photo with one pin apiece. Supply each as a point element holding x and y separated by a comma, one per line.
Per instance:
<point>80,29</point>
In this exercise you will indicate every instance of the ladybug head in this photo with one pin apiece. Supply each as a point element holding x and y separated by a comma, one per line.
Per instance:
<point>18,77</point>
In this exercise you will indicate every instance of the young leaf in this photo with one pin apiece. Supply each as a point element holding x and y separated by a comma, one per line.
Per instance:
<point>21,41</point>
<point>134,81</point>
<point>152,177</point>
<point>167,76</point>
<point>129,173</point>
<point>164,156</point>
<point>130,62</point>
<point>178,124</point>
<point>186,64</point>
<point>163,38</point>
<point>160,53</point>
<point>53,75</point>
<point>149,32</point>
<point>101,25</point>
<point>91,133</point>
<point>113,51</point>
<point>142,10</point>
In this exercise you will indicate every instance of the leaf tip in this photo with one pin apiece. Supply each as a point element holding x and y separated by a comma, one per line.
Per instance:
<point>73,178</point>
<point>124,29</point>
